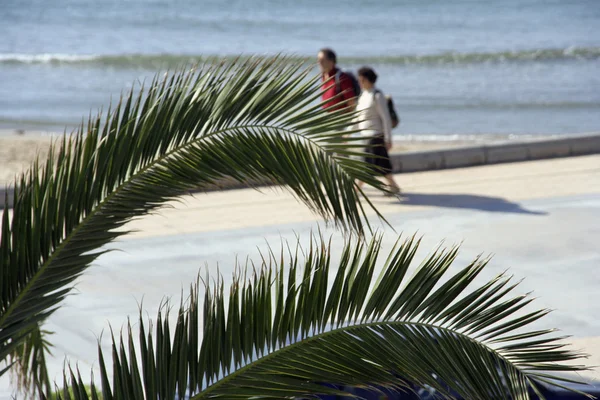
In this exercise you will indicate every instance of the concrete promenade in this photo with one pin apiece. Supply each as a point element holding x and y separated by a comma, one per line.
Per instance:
<point>538,218</point>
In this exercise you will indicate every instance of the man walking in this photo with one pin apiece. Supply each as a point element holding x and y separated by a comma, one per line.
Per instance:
<point>335,82</point>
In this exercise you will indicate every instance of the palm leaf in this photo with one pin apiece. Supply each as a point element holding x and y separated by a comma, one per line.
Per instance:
<point>249,120</point>
<point>287,335</point>
<point>30,357</point>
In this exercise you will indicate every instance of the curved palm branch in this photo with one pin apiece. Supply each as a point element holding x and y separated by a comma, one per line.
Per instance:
<point>287,334</point>
<point>248,120</point>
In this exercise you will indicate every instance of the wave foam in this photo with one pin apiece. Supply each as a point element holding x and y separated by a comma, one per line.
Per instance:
<point>171,60</point>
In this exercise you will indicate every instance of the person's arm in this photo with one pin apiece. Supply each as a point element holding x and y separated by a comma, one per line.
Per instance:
<point>358,117</point>
<point>386,120</point>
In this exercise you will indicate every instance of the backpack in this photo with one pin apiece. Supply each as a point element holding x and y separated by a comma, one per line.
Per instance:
<point>352,77</point>
<point>392,110</point>
<point>393,114</point>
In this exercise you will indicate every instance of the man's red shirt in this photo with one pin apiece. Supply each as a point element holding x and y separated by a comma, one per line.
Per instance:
<point>330,90</point>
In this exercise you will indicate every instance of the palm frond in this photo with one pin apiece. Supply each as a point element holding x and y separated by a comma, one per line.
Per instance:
<point>298,334</point>
<point>30,374</point>
<point>246,119</point>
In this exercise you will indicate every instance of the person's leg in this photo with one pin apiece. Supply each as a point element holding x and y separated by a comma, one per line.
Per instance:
<point>369,160</point>
<point>382,164</point>
<point>392,182</point>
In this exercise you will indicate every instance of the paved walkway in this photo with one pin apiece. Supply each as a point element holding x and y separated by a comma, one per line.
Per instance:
<point>494,186</point>
<point>539,219</point>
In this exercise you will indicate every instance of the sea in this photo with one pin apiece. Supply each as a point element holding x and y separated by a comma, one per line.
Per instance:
<point>455,69</point>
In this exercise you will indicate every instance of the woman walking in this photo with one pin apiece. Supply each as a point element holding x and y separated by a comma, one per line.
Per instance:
<point>375,123</point>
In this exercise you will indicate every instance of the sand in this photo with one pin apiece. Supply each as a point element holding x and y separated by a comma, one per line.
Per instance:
<point>18,151</point>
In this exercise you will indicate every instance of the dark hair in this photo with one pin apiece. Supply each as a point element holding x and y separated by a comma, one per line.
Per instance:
<point>329,54</point>
<point>368,73</point>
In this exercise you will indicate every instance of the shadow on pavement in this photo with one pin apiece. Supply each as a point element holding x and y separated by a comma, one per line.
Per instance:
<point>465,201</point>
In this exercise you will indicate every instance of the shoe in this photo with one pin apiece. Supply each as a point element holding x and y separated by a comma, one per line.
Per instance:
<point>394,191</point>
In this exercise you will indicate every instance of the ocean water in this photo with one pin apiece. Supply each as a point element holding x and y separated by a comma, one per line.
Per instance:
<point>455,69</point>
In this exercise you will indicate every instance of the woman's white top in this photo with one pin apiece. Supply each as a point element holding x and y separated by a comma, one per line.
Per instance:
<point>373,115</point>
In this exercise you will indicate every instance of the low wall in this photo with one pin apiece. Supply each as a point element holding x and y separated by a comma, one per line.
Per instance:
<point>459,157</point>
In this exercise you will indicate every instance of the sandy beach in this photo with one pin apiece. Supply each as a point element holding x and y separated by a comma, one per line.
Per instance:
<point>18,151</point>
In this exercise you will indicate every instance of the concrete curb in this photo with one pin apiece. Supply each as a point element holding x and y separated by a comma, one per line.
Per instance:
<point>417,161</point>
<point>496,153</point>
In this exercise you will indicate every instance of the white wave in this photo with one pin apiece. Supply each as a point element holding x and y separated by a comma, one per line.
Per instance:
<point>45,57</point>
